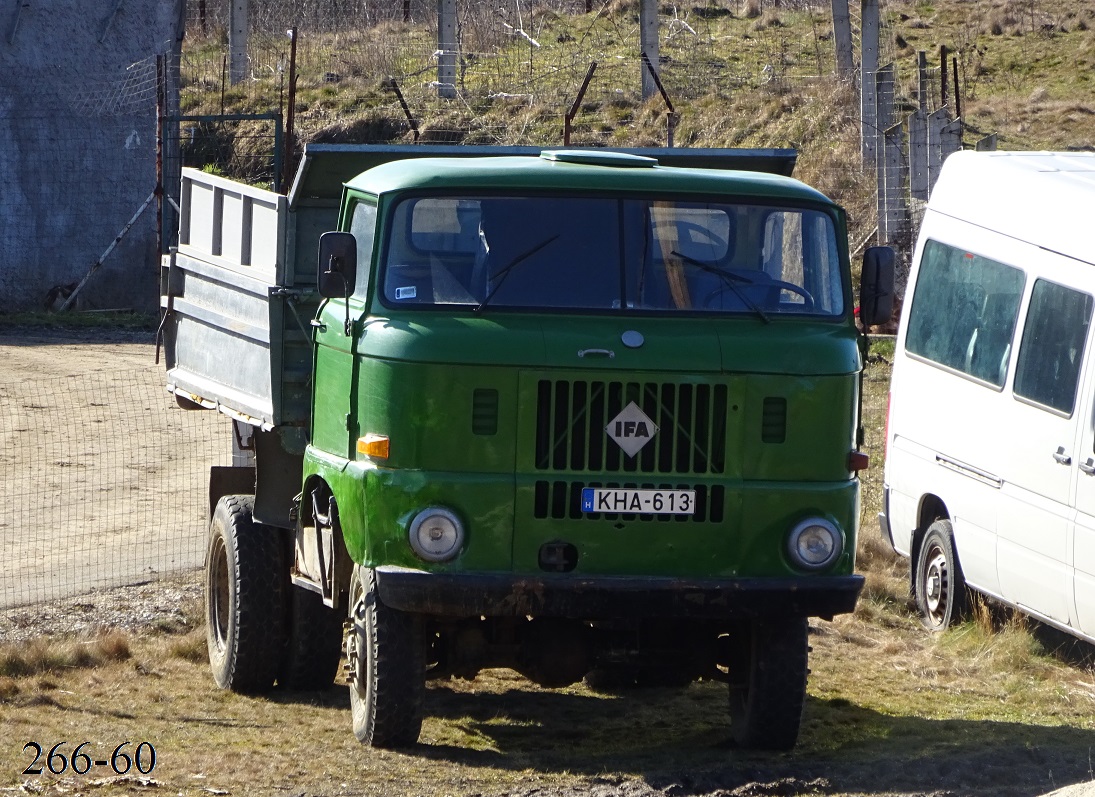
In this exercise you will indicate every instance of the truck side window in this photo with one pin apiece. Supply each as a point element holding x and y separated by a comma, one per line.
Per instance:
<point>363,227</point>
<point>964,311</point>
<point>1048,368</point>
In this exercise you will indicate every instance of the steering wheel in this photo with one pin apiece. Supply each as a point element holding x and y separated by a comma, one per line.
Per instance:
<point>807,298</point>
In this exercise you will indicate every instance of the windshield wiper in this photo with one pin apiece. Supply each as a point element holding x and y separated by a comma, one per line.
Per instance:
<point>503,272</point>
<point>731,281</point>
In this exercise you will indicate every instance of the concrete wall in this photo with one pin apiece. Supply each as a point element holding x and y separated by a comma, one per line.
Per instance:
<point>78,147</point>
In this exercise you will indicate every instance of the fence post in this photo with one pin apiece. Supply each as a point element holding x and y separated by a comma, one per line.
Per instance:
<point>892,207</point>
<point>943,91</point>
<point>446,49</point>
<point>922,88</point>
<point>568,120</point>
<point>869,129</point>
<point>919,158</point>
<point>842,33</point>
<point>944,137</point>
<point>885,81</point>
<point>648,45</point>
<point>986,144</point>
<point>237,41</point>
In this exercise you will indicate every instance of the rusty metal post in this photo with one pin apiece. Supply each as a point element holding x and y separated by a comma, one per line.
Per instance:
<point>393,86</point>
<point>673,118</point>
<point>957,93</point>
<point>290,111</point>
<point>943,89</point>
<point>573,111</point>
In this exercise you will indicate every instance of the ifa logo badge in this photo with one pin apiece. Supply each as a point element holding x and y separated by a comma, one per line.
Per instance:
<point>631,429</point>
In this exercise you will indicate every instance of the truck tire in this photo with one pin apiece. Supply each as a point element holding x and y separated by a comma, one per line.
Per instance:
<point>768,683</point>
<point>386,661</point>
<point>941,595</point>
<point>314,646</point>
<point>244,597</point>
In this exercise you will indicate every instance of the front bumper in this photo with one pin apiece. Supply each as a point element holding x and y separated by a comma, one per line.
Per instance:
<point>609,597</point>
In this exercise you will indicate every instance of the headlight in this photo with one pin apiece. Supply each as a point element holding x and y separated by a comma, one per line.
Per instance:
<point>436,534</point>
<point>814,544</point>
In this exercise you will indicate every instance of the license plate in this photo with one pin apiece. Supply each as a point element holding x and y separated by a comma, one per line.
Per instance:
<point>638,502</point>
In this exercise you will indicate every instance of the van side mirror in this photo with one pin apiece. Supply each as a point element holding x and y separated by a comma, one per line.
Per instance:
<point>876,285</point>
<point>337,269</point>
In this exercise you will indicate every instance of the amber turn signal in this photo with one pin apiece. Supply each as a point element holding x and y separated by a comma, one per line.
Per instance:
<point>374,445</point>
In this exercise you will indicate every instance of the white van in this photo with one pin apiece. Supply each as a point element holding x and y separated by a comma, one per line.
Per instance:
<point>990,440</point>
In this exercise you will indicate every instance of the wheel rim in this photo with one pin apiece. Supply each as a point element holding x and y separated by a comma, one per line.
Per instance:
<point>936,587</point>
<point>219,593</point>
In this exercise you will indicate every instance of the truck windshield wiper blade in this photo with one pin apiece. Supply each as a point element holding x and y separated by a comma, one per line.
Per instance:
<point>503,272</point>
<point>731,281</point>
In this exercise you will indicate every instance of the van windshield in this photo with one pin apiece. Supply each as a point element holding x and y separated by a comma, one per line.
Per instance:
<point>611,254</point>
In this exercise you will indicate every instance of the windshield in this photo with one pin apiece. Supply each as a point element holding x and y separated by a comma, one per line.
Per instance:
<point>605,254</point>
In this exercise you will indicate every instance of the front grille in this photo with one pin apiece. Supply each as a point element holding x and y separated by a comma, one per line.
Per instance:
<point>562,500</point>
<point>571,417</point>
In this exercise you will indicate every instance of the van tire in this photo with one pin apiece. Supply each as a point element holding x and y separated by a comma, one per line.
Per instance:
<point>386,662</point>
<point>768,669</point>
<point>941,595</point>
<point>244,597</point>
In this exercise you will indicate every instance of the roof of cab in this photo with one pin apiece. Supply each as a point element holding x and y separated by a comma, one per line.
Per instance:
<point>1043,198</point>
<point>555,173</point>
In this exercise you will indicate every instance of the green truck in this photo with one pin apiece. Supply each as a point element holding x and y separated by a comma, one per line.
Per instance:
<point>579,413</point>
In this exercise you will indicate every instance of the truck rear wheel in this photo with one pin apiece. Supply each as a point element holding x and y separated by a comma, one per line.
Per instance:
<point>768,683</point>
<point>244,597</point>
<point>386,660</point>
<point>314,646</point>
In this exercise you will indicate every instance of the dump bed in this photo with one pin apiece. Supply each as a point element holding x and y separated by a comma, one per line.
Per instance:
<point>238,292</point>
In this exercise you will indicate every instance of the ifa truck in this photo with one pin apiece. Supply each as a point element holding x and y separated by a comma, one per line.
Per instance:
<point>585,414</point>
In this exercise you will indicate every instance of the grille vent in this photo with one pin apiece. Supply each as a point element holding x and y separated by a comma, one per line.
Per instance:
<point>484,411</point>
<point>571,417</point>
<point>773,424</point>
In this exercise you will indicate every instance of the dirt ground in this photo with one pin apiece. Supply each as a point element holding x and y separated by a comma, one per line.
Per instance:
<point>103,477</point>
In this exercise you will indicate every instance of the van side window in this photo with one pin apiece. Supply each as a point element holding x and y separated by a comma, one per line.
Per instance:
<point>964,311</point>
<point>1048,368</point>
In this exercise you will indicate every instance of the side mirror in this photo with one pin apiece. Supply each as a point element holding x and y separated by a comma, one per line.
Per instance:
<point>876,283</point>
<point>337,269</point>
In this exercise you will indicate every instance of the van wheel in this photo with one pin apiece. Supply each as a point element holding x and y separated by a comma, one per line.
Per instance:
<point>386,661</point>
<point>244,597</point>
<point>768,667</point>
<point>941,595</point>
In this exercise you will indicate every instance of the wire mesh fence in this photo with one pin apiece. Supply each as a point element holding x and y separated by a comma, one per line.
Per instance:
<point>104,482</point>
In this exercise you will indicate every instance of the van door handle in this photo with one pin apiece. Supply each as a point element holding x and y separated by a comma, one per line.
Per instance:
<point>1061,456</point>
<point>597,353</point>
<point>1088,467</point>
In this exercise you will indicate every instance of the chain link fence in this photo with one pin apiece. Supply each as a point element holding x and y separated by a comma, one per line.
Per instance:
<point>104,482</point>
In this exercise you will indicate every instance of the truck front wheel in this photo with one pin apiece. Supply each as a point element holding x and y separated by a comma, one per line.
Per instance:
<point>386,660</point>
<point>768,683</point>
<point>244,597</point>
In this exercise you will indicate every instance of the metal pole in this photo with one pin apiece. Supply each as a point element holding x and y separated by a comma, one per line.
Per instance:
<point>943,92</point>
<point>391,84</point>
<point>573,111</point>
<point>446,48</point>
<point>957,93</point>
